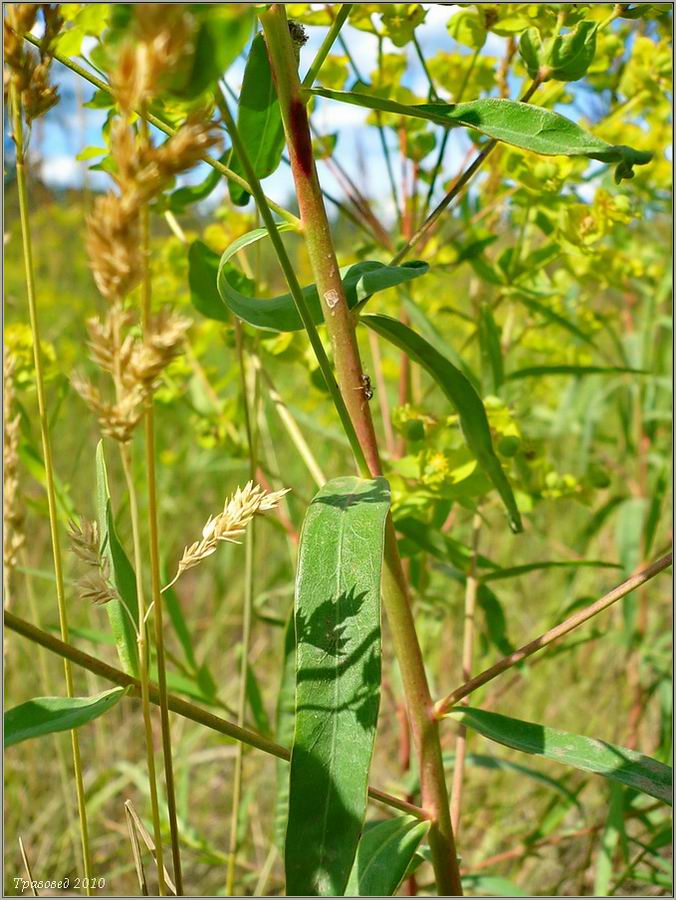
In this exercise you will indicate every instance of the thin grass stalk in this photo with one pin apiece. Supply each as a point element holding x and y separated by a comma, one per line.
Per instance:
<point>341,327</point>
<point>291,427</point>
<point>17,126</point>
<point>246,616</point>
<point>155,578</point>
<point>327,43</point>
<point>46,689</point>
<point>446,135</point>
<point>385,149</point>
<point>142,640</point>
<point>178,705</point>
<point>471,588</point>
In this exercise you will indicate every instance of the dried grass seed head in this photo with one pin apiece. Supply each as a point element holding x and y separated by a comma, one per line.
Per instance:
<point>229,525</point>
<point>95,586</point>
<point>163,36</point>
<point>28,72</point>
<point>114,247</point>
<point>116,420</point>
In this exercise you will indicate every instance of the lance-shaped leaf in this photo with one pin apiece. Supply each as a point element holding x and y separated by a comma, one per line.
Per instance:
<point>284,725</point>
<point>337,616</point>
<point>121,572</point>
<point>462,395</point>
<point>259,120</point>
<point>385,852</point>
<point>45,715</point>
<point>519,124</point>
<point>578,371</point>
<point>185,196</point>
<point>516,571</point>
<point>641,772</point>
<point>360,282</point>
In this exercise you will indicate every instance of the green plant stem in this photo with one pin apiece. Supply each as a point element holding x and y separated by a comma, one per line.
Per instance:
<point>341,328</point>
<point>165,127</point>
<point>579,618</point>
<point>471,588</point>
<point>432,93</point>
<point>246,620</point>
<point>458,186</point>
<point>383,144</point>
<point>327,43</point>
<point>291,427</point>
<point>155,578</point>
<point>293,283</point>
<point>178,705</point>
<point>125,454</point>
<point>446,135</point>
<point>17,126</point>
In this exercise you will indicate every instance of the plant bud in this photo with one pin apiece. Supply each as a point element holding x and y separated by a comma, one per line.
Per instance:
<point>564,57</point>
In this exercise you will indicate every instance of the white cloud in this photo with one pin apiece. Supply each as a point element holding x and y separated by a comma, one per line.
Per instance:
<point>61,170</point>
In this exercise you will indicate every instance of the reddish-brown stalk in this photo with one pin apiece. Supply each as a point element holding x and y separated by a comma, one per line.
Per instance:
<point>341,329</point>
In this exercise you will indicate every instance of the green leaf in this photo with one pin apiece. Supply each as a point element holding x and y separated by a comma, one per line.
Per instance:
<point>552,316</point>
<point>185,196</point>
<point>506,765</point>
<point>426,328</point>
<point>337,615</point>
<point>491,351</point>
<point>173,606</point>
<point>259,119</point>
<point>519,124</point>
<point>515,571</point>
<point>440,545</point>
<point>360,282</point>
<point>284,725</point>
<point>589,754</point>
<point>34,463</point>
<point>385,852</point>
<point>255,701</point>
<point>613,831</point>
<point>222,35</point>
<point>578,371</point>
<point>121,572</point>
<point>462,395</point>
<point>45,715</point>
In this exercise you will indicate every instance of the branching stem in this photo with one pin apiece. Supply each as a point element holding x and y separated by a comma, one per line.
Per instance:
<point>539,643</point>
<point>178,705</point>
<point>341,329</point>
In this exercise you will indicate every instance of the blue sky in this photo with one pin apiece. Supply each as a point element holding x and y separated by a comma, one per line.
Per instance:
<point>68,128</point>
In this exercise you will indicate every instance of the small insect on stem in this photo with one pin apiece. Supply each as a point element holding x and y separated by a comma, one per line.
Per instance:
<point>365,386</point>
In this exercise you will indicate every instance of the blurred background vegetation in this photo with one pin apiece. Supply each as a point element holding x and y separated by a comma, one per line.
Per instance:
<point>573,270</point>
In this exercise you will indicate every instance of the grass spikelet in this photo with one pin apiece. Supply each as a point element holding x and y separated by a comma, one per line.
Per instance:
<point>228,525</point>
<point>28,72</point>
<point>113,246</point>
<point>95,586</point>
<point>163,38</point>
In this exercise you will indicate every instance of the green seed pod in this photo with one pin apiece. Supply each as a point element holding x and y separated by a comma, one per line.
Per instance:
<point>415,430</point>
<point>571,55</point>
<point>531,51</point>
<point>508,445</point>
